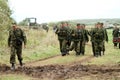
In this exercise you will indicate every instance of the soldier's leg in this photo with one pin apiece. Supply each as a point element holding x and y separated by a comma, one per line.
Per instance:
<point>64,47</point>
<point>76,47</point>
<point>82,47</point>
<point>60,43</point>
<point>72,46</point>
<point>19,55</point>
<point>79,48</point>
<point>103,49</point>
<point>93,48</point>
<point>12,57</point>
<point>68,46</point>
<point>100,47</point>
<point>96,47</point>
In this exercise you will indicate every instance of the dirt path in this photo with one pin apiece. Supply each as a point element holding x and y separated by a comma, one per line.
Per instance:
<point>43,70</point>
<point>51,61</point>
<point>64,72</point>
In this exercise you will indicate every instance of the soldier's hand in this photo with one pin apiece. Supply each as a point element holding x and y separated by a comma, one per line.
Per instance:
<point>73,34</point>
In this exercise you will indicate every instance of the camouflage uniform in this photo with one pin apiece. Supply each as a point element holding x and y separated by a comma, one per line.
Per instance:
<point>92,40</point>
<point>116,34</point>
<point>15,39</point>
<point>105,39</point>
<point>86,39</point>
<point>77,38</point>
<point>63,33</point>
<point>98,37</point>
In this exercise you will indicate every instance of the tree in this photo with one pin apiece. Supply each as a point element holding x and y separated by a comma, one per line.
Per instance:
<point>5,19</point>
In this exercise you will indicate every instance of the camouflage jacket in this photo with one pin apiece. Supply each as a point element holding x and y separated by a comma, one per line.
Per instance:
<point>106,35</point>
<point>16,34</point>
<point>97,35</point>
<point>86,38</point>
<point>63,33</point>
<point>78,35</point>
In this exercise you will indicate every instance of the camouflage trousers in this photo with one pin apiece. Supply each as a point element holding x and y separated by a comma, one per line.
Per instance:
<point>63,46</point>
<point>83,47</point>
<point>15,51</point>
<point>77,46</point>
<point>98,46</point>
<point>93,48</point>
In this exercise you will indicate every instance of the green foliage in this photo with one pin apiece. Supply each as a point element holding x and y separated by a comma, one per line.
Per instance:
<point>5,19</point>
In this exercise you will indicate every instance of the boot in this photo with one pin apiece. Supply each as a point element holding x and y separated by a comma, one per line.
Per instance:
<point>21,64</point>
<point>13,66</point>
<point>83,53</point>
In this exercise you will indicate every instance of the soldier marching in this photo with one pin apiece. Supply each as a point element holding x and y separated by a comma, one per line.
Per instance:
<point>15,40</point>
<point>79,36</point>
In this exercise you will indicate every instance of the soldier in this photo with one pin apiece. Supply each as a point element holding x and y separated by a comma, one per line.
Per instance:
<point>15,40</point>
<point>116,34</point>
<point>77,38</point>
<point>63,33</point>
<point>106,37</point>
<point>69,38</point>
<point>98,37</point>
<point>86,39</point>
<point>92,38</point>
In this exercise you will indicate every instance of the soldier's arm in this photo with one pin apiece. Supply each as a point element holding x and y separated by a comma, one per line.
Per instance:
<point>57,31</point>
<point>106,35</point>
<point>86,35</point>
<point>113,33</point>
<point>24,37</point>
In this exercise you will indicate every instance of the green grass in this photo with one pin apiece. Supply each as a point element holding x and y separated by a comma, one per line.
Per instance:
<point>15,77</point>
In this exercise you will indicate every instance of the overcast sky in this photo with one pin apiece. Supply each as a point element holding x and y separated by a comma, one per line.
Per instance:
<point>57,10</point>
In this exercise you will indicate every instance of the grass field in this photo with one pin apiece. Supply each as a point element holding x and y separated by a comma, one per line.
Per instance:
<point>41,45</point>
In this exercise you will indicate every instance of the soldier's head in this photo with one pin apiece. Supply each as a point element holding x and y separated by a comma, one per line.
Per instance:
<point>102,25</point>
<point>67,24</point>
<point>14,25</point>
<point>63,24</point>
<point>83,26</point>
<point>78,26</point>
<point>98,25</point>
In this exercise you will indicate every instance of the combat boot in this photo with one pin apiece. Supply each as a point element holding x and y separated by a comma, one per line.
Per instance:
<point>13,66</point>
<point>83,53</point>
<point>21,64</point>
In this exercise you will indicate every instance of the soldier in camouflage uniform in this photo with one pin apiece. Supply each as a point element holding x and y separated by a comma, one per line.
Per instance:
<point>116,34</point>
<point>105,39</point>
<point>63,33</point>
<point>86,39</point>
<point>15,40</point>
<point>92,38</point>
<point>98,37</point>
<point>77,38</point>
<point>69,38</point>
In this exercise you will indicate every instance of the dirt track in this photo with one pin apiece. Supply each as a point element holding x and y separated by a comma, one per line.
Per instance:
<point>64,72</point>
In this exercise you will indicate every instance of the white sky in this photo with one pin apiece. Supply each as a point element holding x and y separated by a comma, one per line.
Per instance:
<point>57,10</point>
